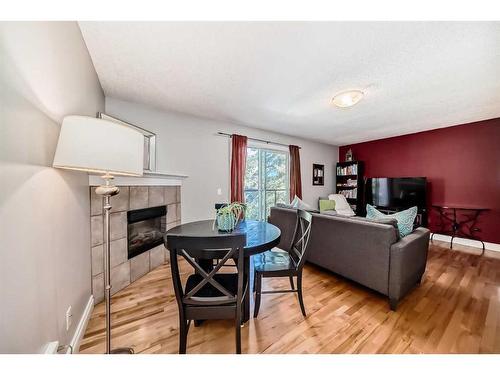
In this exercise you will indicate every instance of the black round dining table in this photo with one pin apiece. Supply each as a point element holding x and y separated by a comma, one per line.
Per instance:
<point>260,236</point>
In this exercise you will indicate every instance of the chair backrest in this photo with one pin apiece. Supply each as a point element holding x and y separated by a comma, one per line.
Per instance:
<point>197,252</point>
<point>300,244</point>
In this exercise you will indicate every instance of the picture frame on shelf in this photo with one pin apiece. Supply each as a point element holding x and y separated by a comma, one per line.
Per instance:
<point>349,156</point>
<point>149,141</point>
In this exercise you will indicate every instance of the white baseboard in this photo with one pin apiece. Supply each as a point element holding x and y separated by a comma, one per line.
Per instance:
<point>82,326</point>
<point>467,242</point>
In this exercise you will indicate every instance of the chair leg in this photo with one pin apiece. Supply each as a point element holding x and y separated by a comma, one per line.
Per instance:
<point>299,291</point>
<point>291,282</point>
<point>258,293</point>
<point>183,331</point>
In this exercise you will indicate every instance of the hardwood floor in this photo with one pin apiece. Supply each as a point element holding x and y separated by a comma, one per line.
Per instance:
<point>456,309</point>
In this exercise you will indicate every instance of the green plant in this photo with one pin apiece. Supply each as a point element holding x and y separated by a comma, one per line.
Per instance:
<point>228,216</point>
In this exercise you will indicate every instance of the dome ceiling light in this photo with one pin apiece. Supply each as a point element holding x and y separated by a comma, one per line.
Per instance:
<point>348,98</point>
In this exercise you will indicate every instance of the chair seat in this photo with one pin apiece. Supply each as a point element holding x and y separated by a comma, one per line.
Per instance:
<point>227,280</point>
<point>274,260</point>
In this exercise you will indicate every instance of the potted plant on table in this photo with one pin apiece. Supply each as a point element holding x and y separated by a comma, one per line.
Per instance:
<point>227,217</point>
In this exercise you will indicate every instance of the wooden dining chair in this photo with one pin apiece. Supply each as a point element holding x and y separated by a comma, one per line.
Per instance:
<point>208,293</point>
<point>284,262</point>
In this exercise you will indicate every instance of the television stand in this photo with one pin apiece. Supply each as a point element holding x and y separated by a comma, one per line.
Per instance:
<point>452,225</point>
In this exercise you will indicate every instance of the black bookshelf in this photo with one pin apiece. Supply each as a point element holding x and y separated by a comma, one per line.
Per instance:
<point>350,183</point>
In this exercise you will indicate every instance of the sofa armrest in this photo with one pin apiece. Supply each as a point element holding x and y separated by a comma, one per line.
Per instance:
<point>408,258</point>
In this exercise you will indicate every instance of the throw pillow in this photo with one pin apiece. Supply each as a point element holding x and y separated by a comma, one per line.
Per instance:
<point>404,218</point>
<point>326,205</point>
<point>341,206</point>
<point>301,205</point>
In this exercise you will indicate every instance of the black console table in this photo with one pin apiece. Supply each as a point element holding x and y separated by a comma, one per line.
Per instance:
<point>452,225</point>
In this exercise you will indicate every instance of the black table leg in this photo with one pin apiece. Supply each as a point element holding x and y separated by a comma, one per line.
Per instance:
<point>249,275</point>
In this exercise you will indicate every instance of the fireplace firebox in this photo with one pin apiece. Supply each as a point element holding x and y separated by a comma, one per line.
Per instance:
<point>145,229</point>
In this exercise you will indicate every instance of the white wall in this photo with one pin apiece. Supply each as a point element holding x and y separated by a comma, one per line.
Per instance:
<point>189,145</point>
<point>45,74</point>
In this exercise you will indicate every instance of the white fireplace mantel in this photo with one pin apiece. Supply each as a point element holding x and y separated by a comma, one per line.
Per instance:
<point>148,179</point>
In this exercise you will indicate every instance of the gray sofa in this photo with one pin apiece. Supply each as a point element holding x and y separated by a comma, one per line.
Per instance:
<point>366,251</point>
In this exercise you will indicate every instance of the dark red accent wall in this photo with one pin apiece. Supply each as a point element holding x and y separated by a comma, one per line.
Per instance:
<point>461,163</point>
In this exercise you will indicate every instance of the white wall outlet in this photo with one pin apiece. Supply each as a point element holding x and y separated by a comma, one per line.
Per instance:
<point>219,191</point>
<point>69,319</point>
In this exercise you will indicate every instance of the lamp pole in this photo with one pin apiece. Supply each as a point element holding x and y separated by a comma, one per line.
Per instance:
<point>107,191</point>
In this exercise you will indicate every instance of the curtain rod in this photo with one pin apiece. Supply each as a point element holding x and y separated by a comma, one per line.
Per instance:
<point>256,140</point>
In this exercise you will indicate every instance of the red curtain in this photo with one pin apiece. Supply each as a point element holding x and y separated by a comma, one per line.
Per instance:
<point>295,179</point>
<point>238,164</point>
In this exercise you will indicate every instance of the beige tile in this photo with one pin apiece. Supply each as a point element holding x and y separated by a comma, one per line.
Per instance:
<point>178,194</point>
<point>156,256</point>
<point>178,211</point>
<point>97,260</point>
<point>139,266</point>
<point>138,197</point>
<point>120,277</point>
<point>167,255</point>
<point>173,225</point>
<point>171,213</point>
<point>118,225</point>
<point>120,201</point>
<point>96,230</point>
<point>95,202</point>
<point>98,288</point>
<point>156,196</point>
<point>170,194</point>
<point>119,251</point>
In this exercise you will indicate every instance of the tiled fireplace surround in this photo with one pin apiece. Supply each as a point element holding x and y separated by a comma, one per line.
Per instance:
<point>123,270</point>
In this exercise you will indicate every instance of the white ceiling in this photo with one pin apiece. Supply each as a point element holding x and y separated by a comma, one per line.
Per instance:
<point>281,76</point>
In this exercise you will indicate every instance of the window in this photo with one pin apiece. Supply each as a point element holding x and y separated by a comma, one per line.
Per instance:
<point>266,181</point>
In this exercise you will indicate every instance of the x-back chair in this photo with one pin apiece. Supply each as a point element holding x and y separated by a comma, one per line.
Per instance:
<point>285,263</point>
<point>208,293</point>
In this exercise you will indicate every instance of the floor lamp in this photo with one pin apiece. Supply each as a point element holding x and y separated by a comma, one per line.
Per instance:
<point>100,146</point>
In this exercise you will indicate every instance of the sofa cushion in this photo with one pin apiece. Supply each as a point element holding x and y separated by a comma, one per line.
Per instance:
<point>326,205</point>
<point>382,220</point>
<point>329,212</point>
<point>404,218</point>
<point>341,206</point>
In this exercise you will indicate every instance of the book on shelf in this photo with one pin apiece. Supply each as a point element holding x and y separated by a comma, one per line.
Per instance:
<point>353,193</point>
<point>348,170</point>
<point>348,183</point>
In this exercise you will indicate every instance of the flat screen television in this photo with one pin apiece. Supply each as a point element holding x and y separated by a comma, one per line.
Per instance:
<point>397,192</point>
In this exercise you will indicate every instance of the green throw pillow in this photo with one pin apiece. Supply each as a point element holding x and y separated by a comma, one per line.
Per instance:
<point>326,205</point>
<point>404,218</point>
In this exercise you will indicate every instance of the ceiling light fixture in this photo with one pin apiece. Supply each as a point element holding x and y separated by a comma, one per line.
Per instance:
<point>348,98</point>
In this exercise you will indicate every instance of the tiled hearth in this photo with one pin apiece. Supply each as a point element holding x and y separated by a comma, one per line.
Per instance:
<point>123,270</point>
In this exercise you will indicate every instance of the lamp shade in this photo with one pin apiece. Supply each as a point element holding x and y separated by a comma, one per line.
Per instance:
<point>100,146</point>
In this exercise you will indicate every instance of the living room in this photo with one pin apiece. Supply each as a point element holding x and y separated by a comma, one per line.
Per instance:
<point>222,187</point>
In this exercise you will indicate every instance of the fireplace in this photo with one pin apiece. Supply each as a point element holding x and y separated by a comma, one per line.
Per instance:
<point>145,229</point>
<point>126,266</point>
